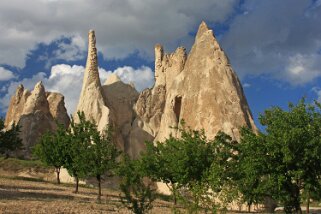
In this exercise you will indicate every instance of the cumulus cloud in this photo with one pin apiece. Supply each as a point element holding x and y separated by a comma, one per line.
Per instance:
<point>68,79</point>
<point>142,77</point>
<point>301,69</point>
<point>5,74</point>
<point>122,26</point>
<point>71,51</point>
<point>276,38</point>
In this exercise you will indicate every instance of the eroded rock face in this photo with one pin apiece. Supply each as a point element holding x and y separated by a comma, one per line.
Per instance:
<point>92,100</point>
<point>150,105</point>
<point>36,113</point>
<point>206,94</point>
<point>121,98</point>
<point>16,106</point>
<point>57,108</point>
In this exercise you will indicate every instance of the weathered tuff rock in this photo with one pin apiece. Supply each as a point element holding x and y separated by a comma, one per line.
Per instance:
<point>35,113</point>
<point>206,94</point>
<point>150,105</point>
<point>108,105</point>
<point>92,100</point>
<point>200,88</point>
<point>57,108</point>
<point>121,98</point>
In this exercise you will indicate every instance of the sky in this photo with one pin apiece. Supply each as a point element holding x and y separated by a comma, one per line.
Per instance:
<point>274,46</point>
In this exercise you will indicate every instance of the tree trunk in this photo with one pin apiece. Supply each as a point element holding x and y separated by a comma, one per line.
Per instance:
<point>77,184</point>
<point>308,202</point>
<point>58,173</point>
<point>174,195</point>
<point>99,188</point>
<point>249,207</point>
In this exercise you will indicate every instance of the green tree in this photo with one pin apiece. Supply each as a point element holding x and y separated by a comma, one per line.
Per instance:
<point>293,151</point>
<point>220,174</point>
<point>52,149</point>
<point>178,162</point>
<point>9,139</point>
<point>251,173</point>
<point>102,154</point>
<point>138,192</point>
<point>77,160</point>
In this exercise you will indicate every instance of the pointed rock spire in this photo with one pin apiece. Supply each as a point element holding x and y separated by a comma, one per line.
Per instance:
<point>202,29</point>
<point>91,73</point>
<point>92,100</point>
<point>37,100</point>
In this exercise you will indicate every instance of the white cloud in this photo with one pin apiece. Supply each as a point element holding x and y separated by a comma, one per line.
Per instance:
<point>276,38</point>
<point>142,77</point>
<point>68,79</point>
<point>122,26</point>
<point>301,69</point>
<point>5,74</point>
<point>71,51</point>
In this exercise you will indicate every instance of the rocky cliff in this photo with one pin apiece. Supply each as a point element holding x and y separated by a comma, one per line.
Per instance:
<point>200,88</point>
<point>35,112</point>
<point>206,94</point>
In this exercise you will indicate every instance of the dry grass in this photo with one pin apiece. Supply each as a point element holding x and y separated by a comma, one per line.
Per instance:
<point>19,195</point>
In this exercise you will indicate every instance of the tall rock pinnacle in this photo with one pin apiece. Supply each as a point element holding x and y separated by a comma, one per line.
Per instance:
<point>92,101</point>
<point>207,93</point>
<point>91,74</point>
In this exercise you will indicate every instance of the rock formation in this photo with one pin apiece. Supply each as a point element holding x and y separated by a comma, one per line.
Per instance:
<point>108,105</point>
<point>36,113</point>
<point>57,108</point>
<point>92,100</point>
<point>201,89</point>
<point>121,98</point>
<point>16,106</point>
<point>206,94</point>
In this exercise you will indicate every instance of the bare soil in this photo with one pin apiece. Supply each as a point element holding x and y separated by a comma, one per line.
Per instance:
<point>25,195</point>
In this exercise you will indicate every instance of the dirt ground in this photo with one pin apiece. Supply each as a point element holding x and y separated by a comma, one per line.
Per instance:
<point>21,195</point>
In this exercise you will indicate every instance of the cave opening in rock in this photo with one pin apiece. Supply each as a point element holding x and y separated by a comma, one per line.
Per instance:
<point>177,107</point>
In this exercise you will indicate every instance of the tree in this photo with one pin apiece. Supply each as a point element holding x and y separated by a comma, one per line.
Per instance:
<point>52,149</point>
<point>178,162</point>
<point>102,156</point>
<point>9,139</point>
<point>220,174</point>
<point>138,191</point>
<point>77,160</point>
<point>293,146</point>
<point>251,173</point>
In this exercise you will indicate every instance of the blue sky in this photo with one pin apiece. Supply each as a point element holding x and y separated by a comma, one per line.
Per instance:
<point>274,46</point>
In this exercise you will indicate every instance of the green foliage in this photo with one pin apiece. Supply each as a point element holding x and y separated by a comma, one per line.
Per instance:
<point>294,148</point>
<point>251,168</point>
<point>138,193</point>
<point>220,174</point>
<point>102,154</point>
<point>194,168</point>
<point>9,139</point>
<point>77,157</point>
<point>178,162</point>
<point>284,163</point>
<point>52,149</point>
